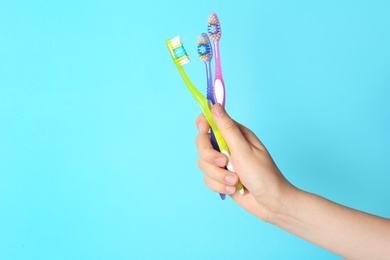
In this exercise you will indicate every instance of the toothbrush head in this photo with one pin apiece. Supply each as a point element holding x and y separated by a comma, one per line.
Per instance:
<point>205,52</point>
<point>180,57</point>
<point>178,53</point>
<point>214,27</point>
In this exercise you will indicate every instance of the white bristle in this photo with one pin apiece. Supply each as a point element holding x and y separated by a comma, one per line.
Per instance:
<point>176,41</point>
<point>178,50</point>
<point>185,61</point>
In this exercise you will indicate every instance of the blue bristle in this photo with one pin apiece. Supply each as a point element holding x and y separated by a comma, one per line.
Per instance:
<point>180,52</point>
<point>204,49</point>
<point>213,28</point>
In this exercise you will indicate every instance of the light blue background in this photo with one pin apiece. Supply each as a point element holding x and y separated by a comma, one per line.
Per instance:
<point>97,154</point>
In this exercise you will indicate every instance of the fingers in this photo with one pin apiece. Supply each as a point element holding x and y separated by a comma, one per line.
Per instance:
<point>247,134</point>
<point>218,179</point>
<point>207,152</point>
<point>202,124</point>
<point>219,187</point>
<point>203,144</point>
<point>230,130</point>
<point>212,162</point>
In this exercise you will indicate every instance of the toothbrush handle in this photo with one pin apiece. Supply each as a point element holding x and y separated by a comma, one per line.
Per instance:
<point>218,67</point>
<point>225,150</point>
<point>220,96</point>
<point>211,98</point>
<point>210,84</point>
<point>204,104</point>
<point>215,146</point>
<point>219,84</point>
<point>218,90</point>
<point>213,141</point>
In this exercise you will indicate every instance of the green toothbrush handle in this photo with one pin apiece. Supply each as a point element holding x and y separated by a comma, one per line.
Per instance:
<point>221,143</point>
<point>205,105</point>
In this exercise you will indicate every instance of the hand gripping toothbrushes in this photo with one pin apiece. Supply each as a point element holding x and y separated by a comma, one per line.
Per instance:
<point>205,54</point>
<point>215,33</point>
<point>180,57</point>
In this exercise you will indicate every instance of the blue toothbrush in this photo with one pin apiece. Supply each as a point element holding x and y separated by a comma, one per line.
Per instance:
<point>205,54</point>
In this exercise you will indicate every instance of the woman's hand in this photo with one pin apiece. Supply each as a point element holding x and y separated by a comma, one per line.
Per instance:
<point>266,188</point>
<point>347,232</point>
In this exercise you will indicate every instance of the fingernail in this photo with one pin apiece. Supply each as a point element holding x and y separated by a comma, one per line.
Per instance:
<point>201,126</point>
<point>219,110</point>
<point>231,179</point>
<point>230,189</point>
<point>220,161</point>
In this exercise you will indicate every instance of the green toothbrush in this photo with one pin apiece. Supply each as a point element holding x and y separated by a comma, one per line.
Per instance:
<point>180,57</point>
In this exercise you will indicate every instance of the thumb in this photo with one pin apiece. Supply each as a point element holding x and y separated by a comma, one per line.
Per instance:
<point>229,129</point>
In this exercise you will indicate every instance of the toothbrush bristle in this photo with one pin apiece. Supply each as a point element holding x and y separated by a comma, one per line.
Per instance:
<point>204,48</point>
<point>214,27</point>
<point>178,50</point>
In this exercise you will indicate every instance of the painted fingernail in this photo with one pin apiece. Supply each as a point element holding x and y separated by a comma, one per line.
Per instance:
<point>230,189</point>
<point>219,110</point>
<point>231,179</point>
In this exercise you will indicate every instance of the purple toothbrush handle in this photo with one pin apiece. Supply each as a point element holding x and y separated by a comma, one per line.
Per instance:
<point>215,146</point>
<point>210,84</point>
<point>213,141</point>
<point>211,97</point>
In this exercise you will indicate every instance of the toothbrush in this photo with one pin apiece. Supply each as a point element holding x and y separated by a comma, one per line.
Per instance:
<point>180,58</point>
<point>215,33</point>
<point>205,54</point>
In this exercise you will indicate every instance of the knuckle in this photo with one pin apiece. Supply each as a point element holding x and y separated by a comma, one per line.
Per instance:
<point>200,163</point>
<point>205,154</point>
<point>209,183</point>
<point>197,139</point>
<point>231,125</point>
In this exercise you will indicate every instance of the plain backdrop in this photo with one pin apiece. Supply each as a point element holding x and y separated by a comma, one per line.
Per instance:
<point>97,153</point>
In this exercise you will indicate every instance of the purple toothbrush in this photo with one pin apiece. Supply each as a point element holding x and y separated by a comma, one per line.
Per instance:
<point>205,54</point>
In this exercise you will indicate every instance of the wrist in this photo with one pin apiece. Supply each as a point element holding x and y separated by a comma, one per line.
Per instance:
<point>283,204</point>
